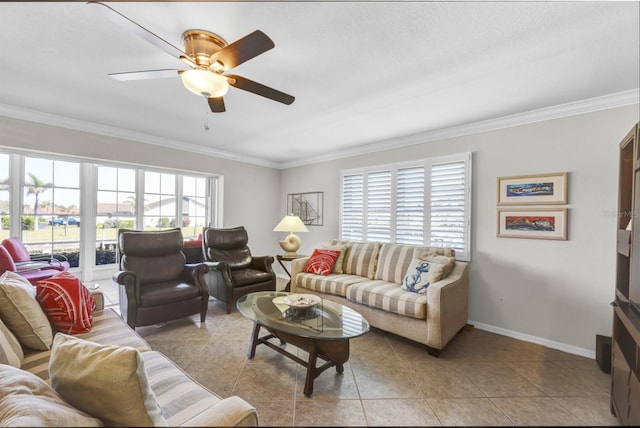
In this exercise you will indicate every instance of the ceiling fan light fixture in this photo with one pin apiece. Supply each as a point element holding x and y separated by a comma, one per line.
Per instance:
<point>205,83</point>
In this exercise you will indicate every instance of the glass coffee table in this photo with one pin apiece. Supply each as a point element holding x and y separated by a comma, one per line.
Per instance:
<point>320,327</point>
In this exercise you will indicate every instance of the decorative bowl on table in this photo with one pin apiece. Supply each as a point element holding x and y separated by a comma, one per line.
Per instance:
<point>302,301</point>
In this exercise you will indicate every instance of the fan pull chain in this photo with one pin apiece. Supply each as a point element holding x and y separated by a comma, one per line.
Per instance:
<point>206,120</point>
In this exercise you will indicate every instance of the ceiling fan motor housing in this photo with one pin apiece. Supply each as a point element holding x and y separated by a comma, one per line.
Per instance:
<point>201,44</point>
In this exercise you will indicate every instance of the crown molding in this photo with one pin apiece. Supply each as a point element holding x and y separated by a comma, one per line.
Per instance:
<point>109,131</point>
<point>606,102</point>
<point>619,99</point>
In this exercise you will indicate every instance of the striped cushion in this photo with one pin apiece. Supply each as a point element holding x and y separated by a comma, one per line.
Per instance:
<point>393,262</point>
<point>108,329</point>
<point>179,396</point>
<point>332,284</point>
<point>361,259</point>
<point>10,349</point>
<point>389,297</point>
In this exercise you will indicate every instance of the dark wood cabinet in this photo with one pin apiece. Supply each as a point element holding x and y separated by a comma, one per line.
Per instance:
<point>625,359</point>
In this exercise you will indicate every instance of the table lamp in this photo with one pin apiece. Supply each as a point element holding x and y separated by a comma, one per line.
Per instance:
<point>290,223</point>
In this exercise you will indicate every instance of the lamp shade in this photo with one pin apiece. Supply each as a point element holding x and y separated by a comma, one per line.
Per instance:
<point>291,223</point>
<point>291,244</point>
<point>205,83</point>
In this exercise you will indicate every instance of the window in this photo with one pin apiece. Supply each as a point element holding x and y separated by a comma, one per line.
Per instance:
<point>51,208</point>
<point>426,202</point>
<point>41,200</point>
<point>115,208</point>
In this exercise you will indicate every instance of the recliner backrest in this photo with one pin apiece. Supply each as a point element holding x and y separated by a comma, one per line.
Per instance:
<point>154,256</point>
<point>16,248</point>
<point>228,246</point>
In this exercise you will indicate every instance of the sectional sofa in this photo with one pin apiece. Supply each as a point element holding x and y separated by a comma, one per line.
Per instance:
<point>368,277</point>
<point>30,395</point>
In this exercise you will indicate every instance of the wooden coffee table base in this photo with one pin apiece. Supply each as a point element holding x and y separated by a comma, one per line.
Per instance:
<point>333,352</point>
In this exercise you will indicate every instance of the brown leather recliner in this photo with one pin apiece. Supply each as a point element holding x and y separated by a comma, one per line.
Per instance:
<point>156,283</point>
<point>227,252</point>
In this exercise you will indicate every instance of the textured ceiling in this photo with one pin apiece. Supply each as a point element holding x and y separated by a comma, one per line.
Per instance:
<point>361,72</point>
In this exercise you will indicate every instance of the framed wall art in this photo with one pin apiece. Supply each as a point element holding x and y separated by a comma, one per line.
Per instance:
<point>541,189</point>
<point>533,223</point>
<point>308,206</point>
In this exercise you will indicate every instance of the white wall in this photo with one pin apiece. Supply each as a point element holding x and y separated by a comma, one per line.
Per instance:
<point>551,292</point>
<point>251,196</point>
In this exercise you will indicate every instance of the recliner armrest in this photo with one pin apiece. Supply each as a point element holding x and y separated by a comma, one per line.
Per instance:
<point>194,273</point>
<point>262,263</point>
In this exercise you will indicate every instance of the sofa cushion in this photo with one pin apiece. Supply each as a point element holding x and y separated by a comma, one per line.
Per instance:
<point>421,274</point>
<point>21,312</point>
<point>10,349</point>
<point>390,297</point>
<point>331,284</point>
<point>26,400</point>
<point>337,266</point>
<point>109,382</point>
<point>108,329</point>
<point>67,303</point>
<point>361,259</point>
<point>393,262</point>
<point>321,261</point>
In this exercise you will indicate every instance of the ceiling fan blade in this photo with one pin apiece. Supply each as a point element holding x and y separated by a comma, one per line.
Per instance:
<point>146,74</point>
<point>259,89</point>
<point>139,30</point>
<point>216,104</point>
<point>243,49</point>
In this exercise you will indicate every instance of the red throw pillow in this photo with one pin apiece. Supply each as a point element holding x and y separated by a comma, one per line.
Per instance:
<point>322,261</point>
<point>67,303</point>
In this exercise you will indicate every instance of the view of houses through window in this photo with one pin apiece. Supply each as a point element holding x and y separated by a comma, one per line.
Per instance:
<point>52,191</point>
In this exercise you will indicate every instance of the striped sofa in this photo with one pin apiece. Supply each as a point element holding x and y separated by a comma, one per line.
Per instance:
<point>369,280</point>
<point>183,401</point>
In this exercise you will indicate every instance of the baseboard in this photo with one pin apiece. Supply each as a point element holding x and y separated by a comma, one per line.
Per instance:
<point>583,352</point>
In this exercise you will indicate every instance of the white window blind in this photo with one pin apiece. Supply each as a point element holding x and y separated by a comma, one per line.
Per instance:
<point>425,202</point>
<point>352,207</point>
<point>379,206</point>
<point>448,205</point>
<point>410,206</point>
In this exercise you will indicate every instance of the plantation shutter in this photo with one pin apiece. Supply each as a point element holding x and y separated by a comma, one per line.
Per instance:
<point>410,206</point>
<point>352,207</point>
<point>379,206</point>
<point>448,206</point>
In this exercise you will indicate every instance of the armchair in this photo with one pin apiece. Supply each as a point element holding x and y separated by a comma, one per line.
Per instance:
<point>15,257</point>
<point>226,252</point>
<point>156,283</point>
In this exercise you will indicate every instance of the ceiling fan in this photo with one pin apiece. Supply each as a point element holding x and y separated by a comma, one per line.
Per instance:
<point>208,56</point>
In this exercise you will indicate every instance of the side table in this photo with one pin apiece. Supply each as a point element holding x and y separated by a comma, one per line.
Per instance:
<point>281,258</point>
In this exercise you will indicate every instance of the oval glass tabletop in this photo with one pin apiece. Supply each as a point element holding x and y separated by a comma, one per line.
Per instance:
<point>322,320</point>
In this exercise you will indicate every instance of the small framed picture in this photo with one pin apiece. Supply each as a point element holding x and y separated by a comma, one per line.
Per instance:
<point>533,223</point>
<point>541,189</point>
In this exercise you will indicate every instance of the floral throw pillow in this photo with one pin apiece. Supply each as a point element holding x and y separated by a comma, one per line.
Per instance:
<point>421,274</point>
<point>322,261</point>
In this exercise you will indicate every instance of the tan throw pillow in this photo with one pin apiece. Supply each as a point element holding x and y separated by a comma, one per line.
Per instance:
<point>337,267</point>
<point>109,382</point>
<point>22,313</point>
<point>10,349</point>
<point>420,275</point>
<point>27,401</point>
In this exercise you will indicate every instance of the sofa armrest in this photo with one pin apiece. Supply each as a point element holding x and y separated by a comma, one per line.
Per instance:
<point>229,412</point>
<point>448,306</point>
<point>297,266</point>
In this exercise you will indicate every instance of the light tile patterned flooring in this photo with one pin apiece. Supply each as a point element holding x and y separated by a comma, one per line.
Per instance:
<point>480,379</point>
